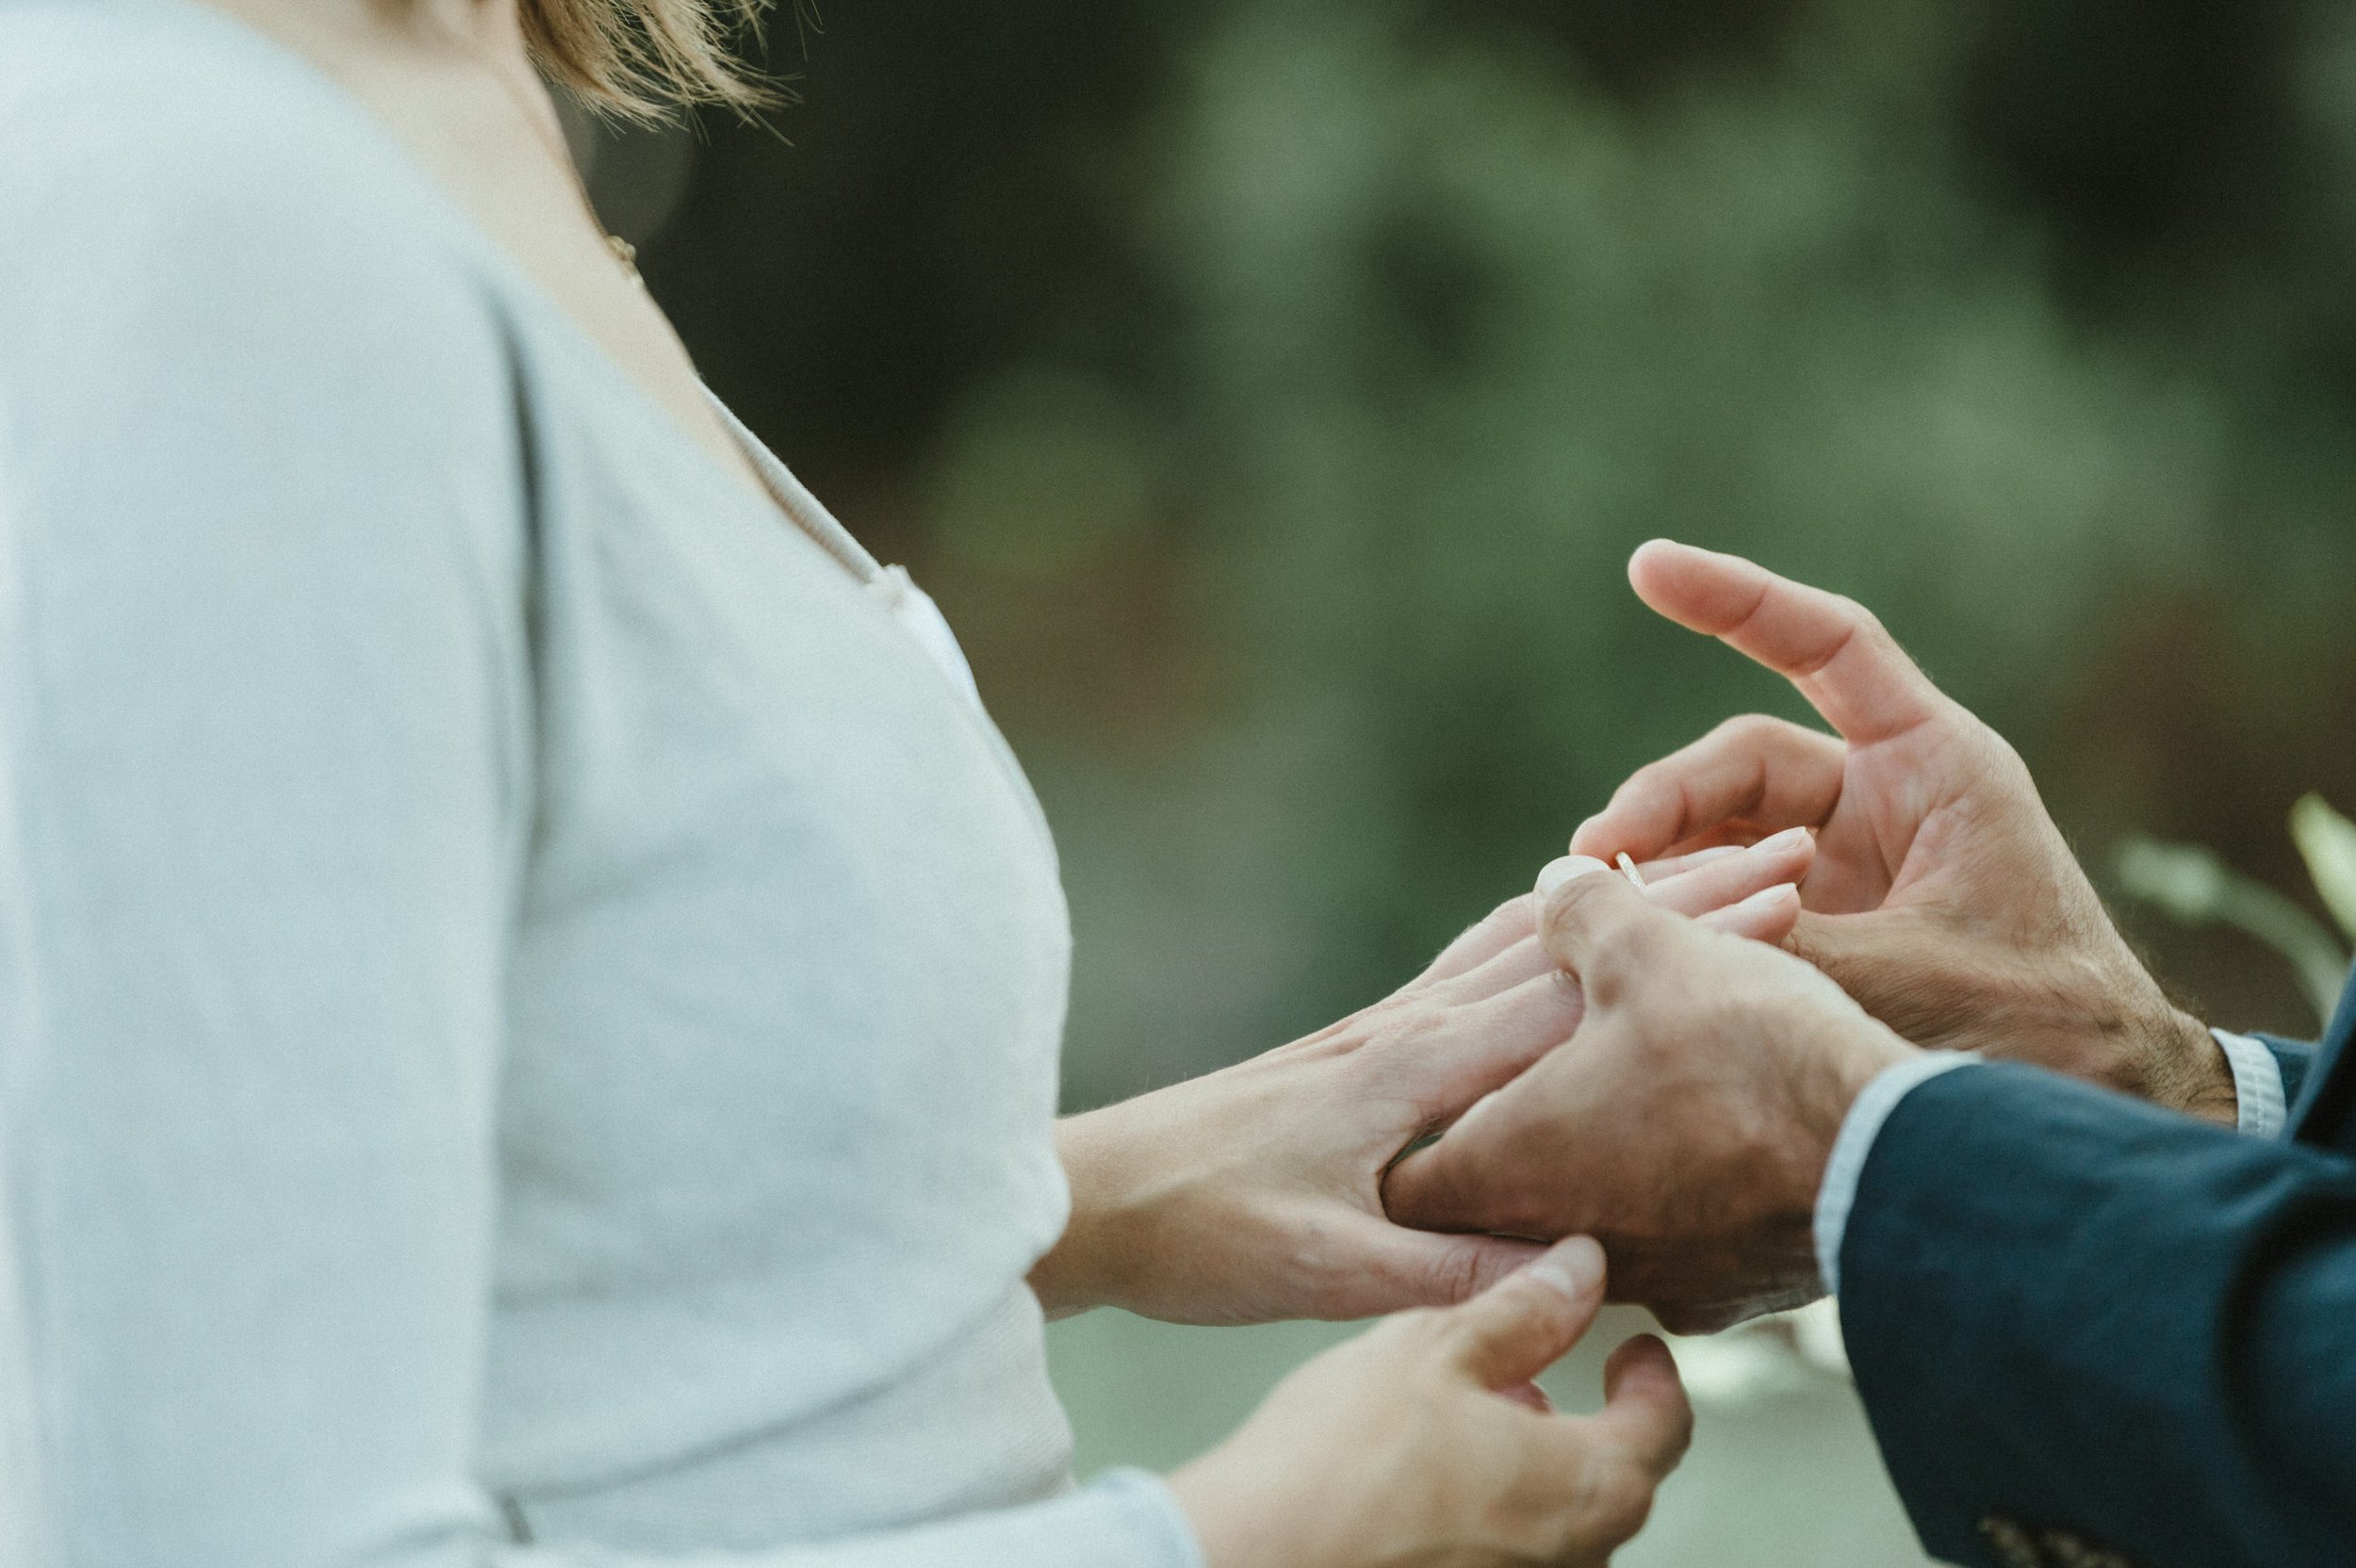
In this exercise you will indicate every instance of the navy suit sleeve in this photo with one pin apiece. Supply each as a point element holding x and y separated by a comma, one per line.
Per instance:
<point>2294,1057</point>
<point>2076,1312</point>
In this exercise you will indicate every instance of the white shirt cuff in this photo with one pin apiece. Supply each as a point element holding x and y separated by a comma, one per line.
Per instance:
<point>1837,1196</point>
<point>2257,1083</point>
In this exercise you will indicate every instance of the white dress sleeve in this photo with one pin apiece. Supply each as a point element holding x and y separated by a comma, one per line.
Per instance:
<point>265,754</point>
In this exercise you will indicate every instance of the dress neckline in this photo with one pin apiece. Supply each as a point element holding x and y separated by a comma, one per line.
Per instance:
<point>803,509</point>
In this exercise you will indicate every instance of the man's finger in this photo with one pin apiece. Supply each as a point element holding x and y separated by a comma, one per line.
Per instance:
<point>1621,1455</point>
<point>1600,928</point>
<point>1830,647</point>
<point>1878,958</point>
<point>1524,1323</point>
<point>1767,771</point>
<point>1435,1188</point>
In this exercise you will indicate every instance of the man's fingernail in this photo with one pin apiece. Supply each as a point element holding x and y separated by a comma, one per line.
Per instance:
<point>1559,871</point>
<point>1791,838</point>
<point>1575,1268</point>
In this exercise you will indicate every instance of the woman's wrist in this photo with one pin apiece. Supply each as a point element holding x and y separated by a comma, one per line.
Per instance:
<point>1232,1527</point>
<point>1083,1269</point>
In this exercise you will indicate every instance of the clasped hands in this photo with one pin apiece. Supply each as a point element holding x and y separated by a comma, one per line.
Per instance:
<point>1689,1122</point>
<point>1664,1070</point>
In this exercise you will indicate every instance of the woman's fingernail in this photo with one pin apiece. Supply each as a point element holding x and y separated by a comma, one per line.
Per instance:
<point>1575,1268</point>
<point>1791,838</point>
<point>1558,872</point>
<point>1766,896</point>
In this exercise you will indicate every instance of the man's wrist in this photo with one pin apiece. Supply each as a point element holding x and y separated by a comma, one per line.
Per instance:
<point>2202,1084</point>
<point>2156,1049</point>
<point>1836,1080</point>
<point>1845,1167</point>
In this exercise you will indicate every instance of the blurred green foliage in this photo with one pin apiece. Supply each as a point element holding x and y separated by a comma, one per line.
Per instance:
<point>1272,391</point>
<point>2192,886</point>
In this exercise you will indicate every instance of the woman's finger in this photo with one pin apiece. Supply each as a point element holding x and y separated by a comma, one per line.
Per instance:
<point>1523,1324</point>
<point>1617,1459</point>
<point>1517,965</point>
<point>1678,863</point>
<point>1764,771</point>
<point>1728,880</point>
<point>1769,915</point>
<point>1502,952</point>
<point>1513,920</point>
<point>1644,1409</point>
<point>1493,1041</point>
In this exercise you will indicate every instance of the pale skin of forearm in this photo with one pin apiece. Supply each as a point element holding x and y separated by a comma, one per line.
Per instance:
<point>1109,1203</point>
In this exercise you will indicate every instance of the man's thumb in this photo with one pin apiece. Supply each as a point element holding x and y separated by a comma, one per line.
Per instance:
<point>1523,1323</point>
<point>1876,956</point>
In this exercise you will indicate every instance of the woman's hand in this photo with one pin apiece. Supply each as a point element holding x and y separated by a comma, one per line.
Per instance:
<point>1255,1193</point>
<point>1423,1442</point>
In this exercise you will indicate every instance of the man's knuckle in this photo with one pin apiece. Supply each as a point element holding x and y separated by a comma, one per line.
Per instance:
<point>1453,1274</point>
<point>1856,615</point>
<point>1636,944</point>
<point>1747,731</point>
<point>1650,781</point>
<point>1615,960</point>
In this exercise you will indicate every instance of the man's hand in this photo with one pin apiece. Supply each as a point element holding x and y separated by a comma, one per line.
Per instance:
<point>1256,1192</point>
<point>1686,1126</point>
<point>1943,898</point>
